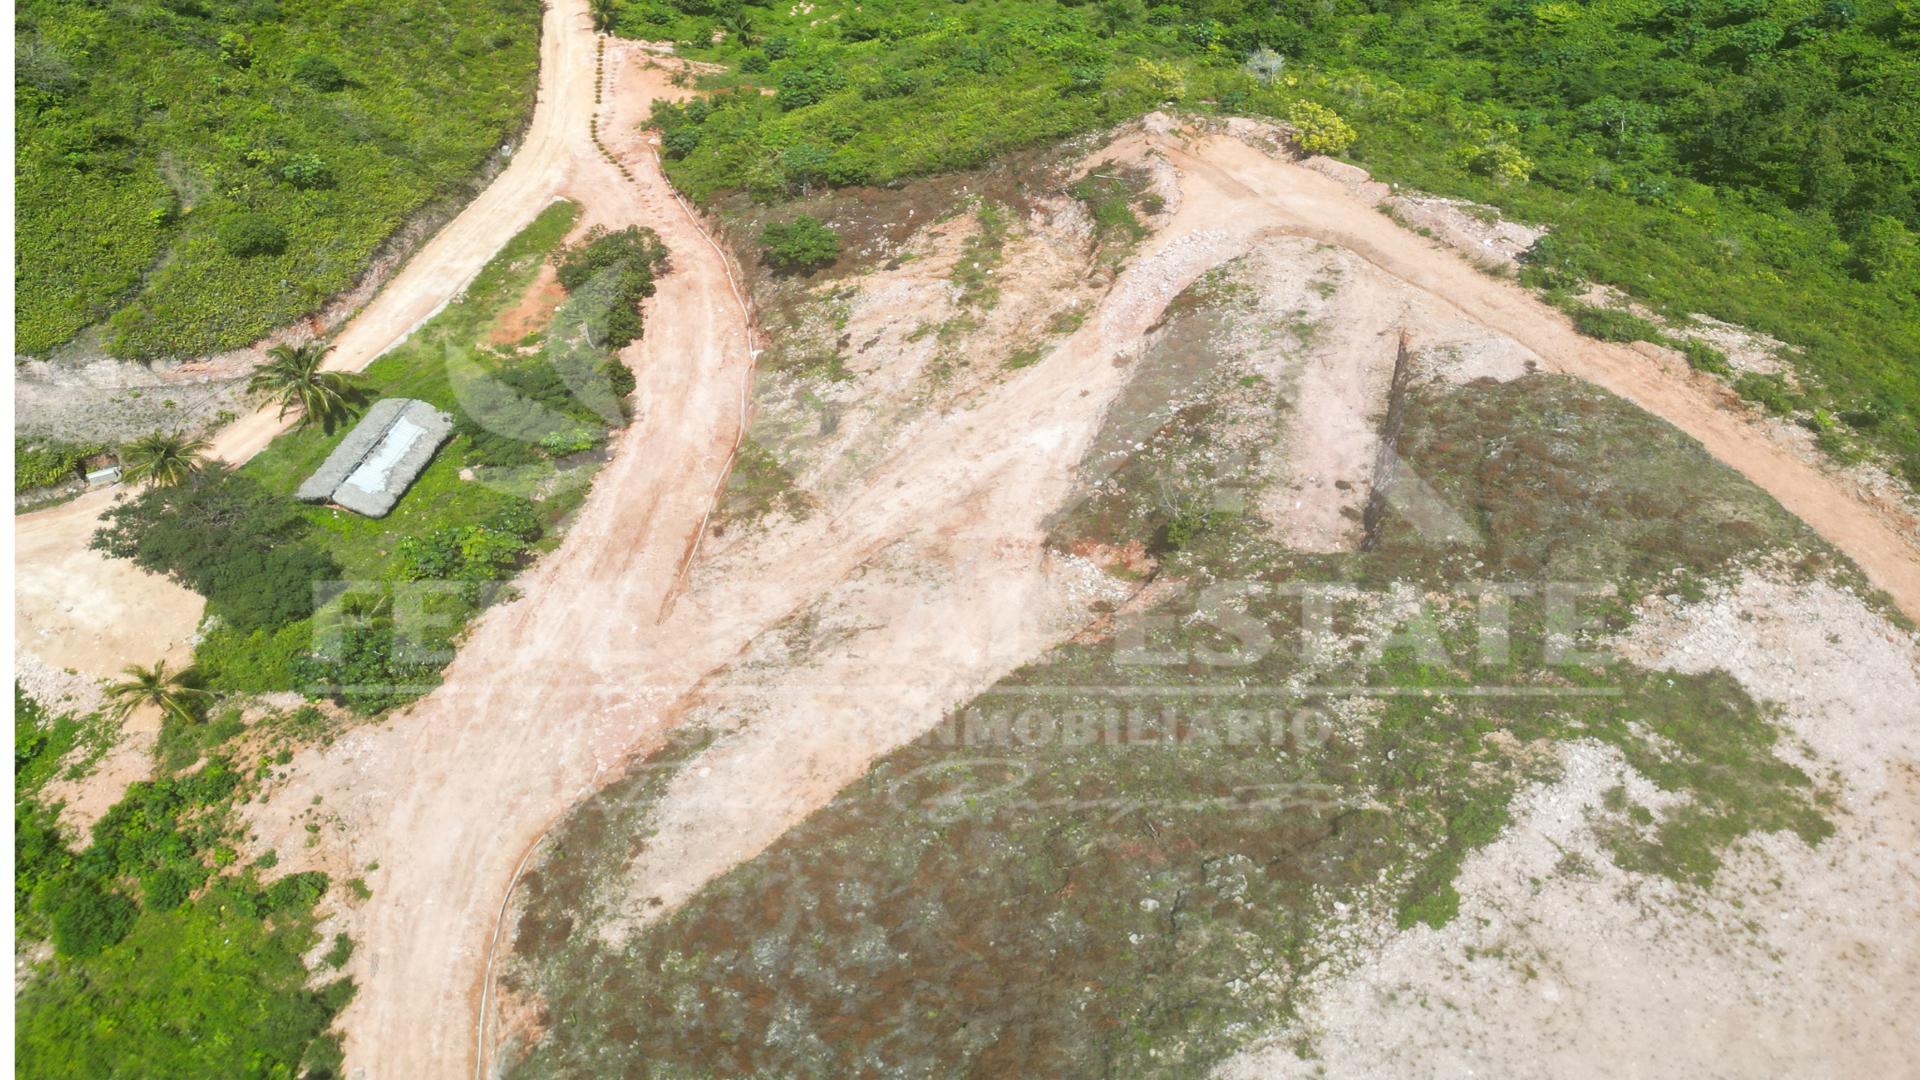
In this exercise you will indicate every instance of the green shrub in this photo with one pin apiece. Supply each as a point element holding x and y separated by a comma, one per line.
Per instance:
<point>1318,129</point>
<point>1612,324</point>
<point>319,73</point>
<point>38,465</point>
<point>339,953</point>
<point>296,891</point>
<point>801,245</point>
<point>247,234</point>
<point>87,918</point>
<point>607,275</point>
<point>1704,357</point>
<point>1771,392</point>
<point>168,888</point>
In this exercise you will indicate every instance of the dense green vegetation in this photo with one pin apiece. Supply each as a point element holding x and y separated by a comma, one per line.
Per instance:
<point>805,243</point>
<point>38,463</point>
<point>166,960</point>
<point>1754,160</point>
<point>198,172</point>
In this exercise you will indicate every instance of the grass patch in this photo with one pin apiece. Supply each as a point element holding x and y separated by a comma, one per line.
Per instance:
<point>1612,324</point>
<point>758,485</point>
<point>529,419</point>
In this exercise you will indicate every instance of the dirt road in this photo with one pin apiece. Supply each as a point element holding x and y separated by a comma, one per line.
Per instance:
<point>554,692</point>
<point>78,610</point>
<point>536,707</point>
<point>1302,202</point>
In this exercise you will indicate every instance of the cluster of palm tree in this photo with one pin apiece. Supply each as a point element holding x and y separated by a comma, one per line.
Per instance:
<point>172,692</point>
<point>293,377</point>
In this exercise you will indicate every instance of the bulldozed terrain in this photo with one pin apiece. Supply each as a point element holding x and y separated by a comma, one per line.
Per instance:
<point>937,814</point>
<point>1158,605</point>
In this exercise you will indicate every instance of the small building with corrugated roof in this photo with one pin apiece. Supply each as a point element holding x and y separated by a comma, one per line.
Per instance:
<point>380,458</point>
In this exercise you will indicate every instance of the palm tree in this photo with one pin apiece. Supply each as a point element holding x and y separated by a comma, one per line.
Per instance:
<point>162,459</point>
<point>292,375</point>
<point>604,13</point>
<point>172,692</point>
<point>739,27</point>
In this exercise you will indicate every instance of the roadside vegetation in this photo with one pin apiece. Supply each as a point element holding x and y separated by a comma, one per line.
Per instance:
<point>198,172</point>
<point>1165,886</point>
<point>149,951</point>
<point>39,463</point>
<point>1754,161</point>
<point>365,611</point>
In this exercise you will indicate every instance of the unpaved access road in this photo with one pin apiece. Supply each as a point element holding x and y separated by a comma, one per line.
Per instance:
<point>77,610</point>
<point>1301,202</point>
<point>554,693</point>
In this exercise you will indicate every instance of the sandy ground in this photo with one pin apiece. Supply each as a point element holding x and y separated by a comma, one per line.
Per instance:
<point>75,608</point>
<point>1798,961</point>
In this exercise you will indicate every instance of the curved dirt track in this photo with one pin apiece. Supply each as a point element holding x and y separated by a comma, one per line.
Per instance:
<point>61,584</point>
<point>554,692</point>
<point>977,486</point>
<point>1302,202</point>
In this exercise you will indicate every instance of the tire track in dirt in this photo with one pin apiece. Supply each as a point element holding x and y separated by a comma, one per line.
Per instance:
<point>554,692</point>
<point>782,766</point>
<point>1302,202</point>
<point>557,691</point>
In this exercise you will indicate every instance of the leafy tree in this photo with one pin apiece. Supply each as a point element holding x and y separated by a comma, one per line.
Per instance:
<point>163,459</point>
<point>607,275</point>
<point>802,245</point>
<point>172,692</point>
<point>229,539</point>
<point>292,376</point>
